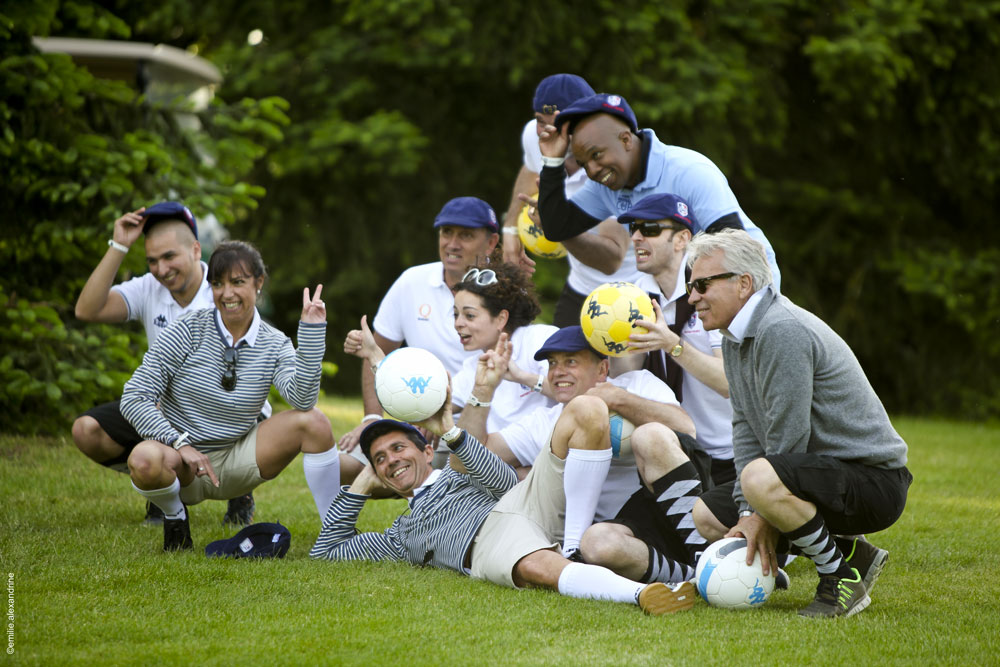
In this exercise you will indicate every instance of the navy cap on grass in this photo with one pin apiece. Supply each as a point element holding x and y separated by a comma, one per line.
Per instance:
<point>661,207</point>
<point>555,93</point>
<point>567,339</point>
<point>258,540</point>
<point>169,210</point>
<point>467,212</point>
<point>614,105</point>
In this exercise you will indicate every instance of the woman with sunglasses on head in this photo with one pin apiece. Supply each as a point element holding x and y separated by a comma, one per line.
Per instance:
<point>200,388</point>
<point>494,308</point>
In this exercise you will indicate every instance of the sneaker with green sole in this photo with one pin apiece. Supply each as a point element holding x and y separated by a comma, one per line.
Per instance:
<point>838,596</point>
<point>864,557</point>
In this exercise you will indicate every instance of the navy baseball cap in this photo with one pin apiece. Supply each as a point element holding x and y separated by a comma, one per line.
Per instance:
<point>614,105</point>
<point>567,339</point>
<point>661,207</point>
<point>558,91</point>
<point>258,540</point>
<point>467,212</point>
<point>169,210</point>
<point>379,428</point>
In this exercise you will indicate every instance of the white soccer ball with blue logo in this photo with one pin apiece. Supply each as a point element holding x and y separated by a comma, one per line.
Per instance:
<point>621,436</point>
<point>411,384</point>
<point>725,580</point>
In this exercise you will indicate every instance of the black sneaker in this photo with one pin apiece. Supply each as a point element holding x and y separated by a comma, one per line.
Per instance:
<point>240,511</point>
<point>177,534</point>
<point>154,515</point>
<point>864,557</point>
<point>838,596</point>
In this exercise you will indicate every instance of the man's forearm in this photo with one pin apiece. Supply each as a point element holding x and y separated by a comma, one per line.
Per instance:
<point>560,218</point>
<point>602,251</point>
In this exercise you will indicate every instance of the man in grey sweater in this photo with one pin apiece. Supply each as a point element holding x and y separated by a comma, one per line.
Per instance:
<point>815,453</point>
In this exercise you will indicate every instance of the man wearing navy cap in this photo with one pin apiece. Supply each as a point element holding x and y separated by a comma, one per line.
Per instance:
<point>677,348</point>
<point>597,482</point>
<point>596,257</point>
<point>175,285</point>
<point>418,307</point>
<point>480,522</point>
<point>625,165</point>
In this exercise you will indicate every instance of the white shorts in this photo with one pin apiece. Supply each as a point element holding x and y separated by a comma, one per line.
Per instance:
<point>530,517</point>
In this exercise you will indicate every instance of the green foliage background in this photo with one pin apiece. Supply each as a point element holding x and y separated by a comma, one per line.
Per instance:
<point>861,136</point>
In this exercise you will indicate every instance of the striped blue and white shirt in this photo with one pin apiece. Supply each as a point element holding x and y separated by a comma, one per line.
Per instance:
<point>183,373</point>
<point>443,519</point>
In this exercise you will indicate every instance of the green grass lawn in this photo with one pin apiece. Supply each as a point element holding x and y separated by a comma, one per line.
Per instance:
<point>91,585</point>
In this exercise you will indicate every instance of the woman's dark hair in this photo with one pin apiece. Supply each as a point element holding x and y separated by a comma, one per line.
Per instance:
<point>513,291</point>
<point>231,255</point>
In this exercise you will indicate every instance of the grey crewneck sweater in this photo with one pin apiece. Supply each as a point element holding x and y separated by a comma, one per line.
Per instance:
<point>796,386</point>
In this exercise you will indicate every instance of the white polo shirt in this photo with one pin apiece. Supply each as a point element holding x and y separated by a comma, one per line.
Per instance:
<point>582,279</point>
<point>527,436</point>
<point>419,309</point>
<point>711,412</point>
<point>151,303</point>
<point>511,401</point>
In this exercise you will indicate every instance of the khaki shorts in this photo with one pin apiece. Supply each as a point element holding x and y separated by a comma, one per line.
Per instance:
<point>236,468</point>
<point>530,517</point>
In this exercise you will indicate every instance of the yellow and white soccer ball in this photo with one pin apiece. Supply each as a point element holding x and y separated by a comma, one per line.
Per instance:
<point>533,238</point>
<point>608,313</point>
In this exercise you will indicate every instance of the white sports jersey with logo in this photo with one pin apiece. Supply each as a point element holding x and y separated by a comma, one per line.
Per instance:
<point>419,309</point>
<point>152,304</point>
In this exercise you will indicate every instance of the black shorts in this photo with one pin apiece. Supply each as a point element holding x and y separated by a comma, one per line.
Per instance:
<point>568,307</point>
<point>647,522</point>
<point>109,416</point>
<point>719,501</point>
<point>853,498</point>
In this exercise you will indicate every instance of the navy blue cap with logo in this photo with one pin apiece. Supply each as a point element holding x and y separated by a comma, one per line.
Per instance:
<point>258,540</point>
<point>169,210</point>
<point>379,428</point>
<point>467,212</point>
<point>555,93</point>
<point>661,207</point>
<point>614,105</point>
<point>567,339</point>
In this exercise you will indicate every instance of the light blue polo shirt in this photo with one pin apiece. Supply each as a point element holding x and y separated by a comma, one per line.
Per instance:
<point>677,171</point>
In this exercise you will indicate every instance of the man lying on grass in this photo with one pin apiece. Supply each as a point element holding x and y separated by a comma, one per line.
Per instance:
<point>482,523</point>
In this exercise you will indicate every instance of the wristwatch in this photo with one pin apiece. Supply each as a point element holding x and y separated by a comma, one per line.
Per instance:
<point>676,350</point>
<point>745,513</point>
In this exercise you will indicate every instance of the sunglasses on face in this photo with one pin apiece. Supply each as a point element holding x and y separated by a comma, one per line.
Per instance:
<point>648,228</point>
<point>482,277</point>
<point>229,357</point>
<point>701,284</point>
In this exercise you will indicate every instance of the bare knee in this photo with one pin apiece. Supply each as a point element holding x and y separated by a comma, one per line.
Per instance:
<point>588,414</point>
<point>706,523</point>
<point>759,482</point>
<point>539,569</point>
<point>315,430</point>
<point>145,462</point>
<point>87,435</point>
<point>656,445</point>
<point>601,544</point>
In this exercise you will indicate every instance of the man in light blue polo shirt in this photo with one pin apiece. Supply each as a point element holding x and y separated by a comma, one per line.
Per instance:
<point>624,165</point>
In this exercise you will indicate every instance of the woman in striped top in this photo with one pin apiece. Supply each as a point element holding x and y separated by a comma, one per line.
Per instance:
<point>198,392</point>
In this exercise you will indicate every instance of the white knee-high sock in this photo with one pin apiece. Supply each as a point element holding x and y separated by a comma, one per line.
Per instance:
<point>167,499</point>
<point>579,580</point>
<point>323,477</point>
<point>583,479</point>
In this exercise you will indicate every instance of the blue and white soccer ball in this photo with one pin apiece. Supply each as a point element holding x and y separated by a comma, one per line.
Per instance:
<point>725,580</point>
<point>621,436</point>
<point>411,384</point>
